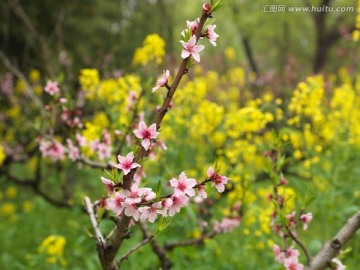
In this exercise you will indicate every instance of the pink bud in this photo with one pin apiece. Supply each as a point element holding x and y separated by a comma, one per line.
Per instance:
<point>207,8</point>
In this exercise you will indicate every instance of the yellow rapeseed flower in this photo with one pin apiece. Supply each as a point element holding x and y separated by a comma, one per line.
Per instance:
<point>53,247</point>
<point>7,209</point>
<point>34,75</point>
<point>2,154</point>
<point>11,192</point>
<point>153,50</point>
<point>230,53</point>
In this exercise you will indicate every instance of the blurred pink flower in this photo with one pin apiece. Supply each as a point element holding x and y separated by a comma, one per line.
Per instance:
<point>211,35</point>
<point>52,88</point>
<point>218,181</point>
<point>109,185</point>
<point>162,81</point>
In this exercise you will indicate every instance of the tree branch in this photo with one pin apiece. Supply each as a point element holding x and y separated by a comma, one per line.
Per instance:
<point>301,245</point>
<point>127,254</point>
<point>159,251</point>
<point>89,207</point>
<point>333,247</point>
<point>190,242</point>
<point>123,221</point>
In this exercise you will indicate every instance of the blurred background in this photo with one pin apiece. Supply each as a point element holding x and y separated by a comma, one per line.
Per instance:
<point>274,68</point>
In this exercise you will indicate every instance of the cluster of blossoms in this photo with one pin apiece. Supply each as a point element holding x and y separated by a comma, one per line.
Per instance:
<point>141,203</point>
<point>54,150</point>
<point>227,224</point>
<point>287,228</point>
<point>289,258</point>
<point>190,49</point>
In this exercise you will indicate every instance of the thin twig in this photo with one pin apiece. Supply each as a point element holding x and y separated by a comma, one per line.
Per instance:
<point>90,210</point>
<point>156,248</point>
<point>190,242</point>
<point>35,185</point>
<point>127,254</point>
<point>28,89</point>
<point>94,164</point>
<point>301,245</point>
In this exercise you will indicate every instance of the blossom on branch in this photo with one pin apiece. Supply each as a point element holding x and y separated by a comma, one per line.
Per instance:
<point>306,218</point>
<point>150,212</point>
<point>191,49</point>
<point>338,264</point>
<point>126,163</point>
<point>193,25</point>
<point>162,81</point>
<point>184,185</point>
<point>178,202</point>
<point>52,88</point>
<point>218,181</point>
<point>207,8</point>
<point>109,185</point>
<point>146,133</point>
<point>211,35</point>
<point>226,225</point>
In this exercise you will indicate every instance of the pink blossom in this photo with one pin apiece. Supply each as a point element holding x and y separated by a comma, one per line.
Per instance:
<point>73,152</point>
<point>63,100</point>
<point>116,203</point>
<point>162,81</point>
<point>131,210</point>
<point>184,185</point>
<point>109,185</point>
<point>202,192</point>
<point>81,140</point>
<point>133,195</point>
<point>54,150</point>
<point>291,219</point>
<point>211,35</point>
<point>148,194</point>
<point>292,263</point>
<point>52,88</point>
<point>279,254</point>
<point>131,100</point>
<point>165,206</point>
<point>94,144</point>
<point>226,225</point>
<point>306,218</point>
<point>146,134</point>
<point>291,252</point>
<point>339,265</point>
<point>150,212</point>
<point>193,25</point>
<point>207,8</point>
<point>106,137</point>
<point>179,201</point>
<point>191,49</point>
<point>103,151</point>
<point>139,175</point>
<point>218,181</point>
<point>126,163</point>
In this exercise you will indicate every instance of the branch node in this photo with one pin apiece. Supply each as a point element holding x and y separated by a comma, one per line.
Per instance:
<point>336,244</point>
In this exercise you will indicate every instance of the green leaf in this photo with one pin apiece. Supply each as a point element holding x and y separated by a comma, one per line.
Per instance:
<point>100,213</point>
<point>158,189</point>
<point>87,231</point>
<point>163,224</point>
